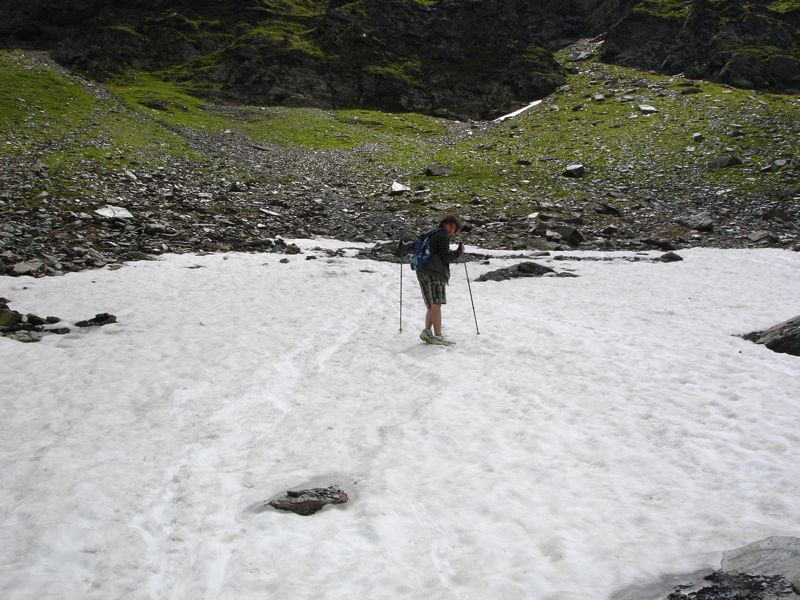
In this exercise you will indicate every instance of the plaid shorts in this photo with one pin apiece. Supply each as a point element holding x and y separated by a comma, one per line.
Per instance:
<point>433,289</point>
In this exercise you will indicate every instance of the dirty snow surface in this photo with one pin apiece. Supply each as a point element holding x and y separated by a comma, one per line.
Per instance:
<point>601,431</point>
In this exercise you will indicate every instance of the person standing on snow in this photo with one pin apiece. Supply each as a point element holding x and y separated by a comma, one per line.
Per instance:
<point>434,276</point>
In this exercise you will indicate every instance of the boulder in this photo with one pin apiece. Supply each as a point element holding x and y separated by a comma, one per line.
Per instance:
<point>525,269</point>
<point>113,212</point>
<point>763,237</point>
<point>601,208</point>
<point>30,267</point>
<point>570,235</point>
<point>699,221</point>
<point>307,502</point>
<point>670,257</point>
<point>725,161</point>
<point>783,337</point>
<point>9,318</point>
<point>438,171</point>
<point>98,320</point>
<point>398,188</point>
<point>574,171</point>
<point>773,556</point>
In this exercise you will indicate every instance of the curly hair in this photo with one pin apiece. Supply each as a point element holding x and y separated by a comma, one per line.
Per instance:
<point>451,219</point>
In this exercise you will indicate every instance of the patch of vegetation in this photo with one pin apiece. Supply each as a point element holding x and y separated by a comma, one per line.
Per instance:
<point>784,6</point>
<point>166,101</point>
<point>284,36</point>
<point>664,9</point>
<point>406,71</point>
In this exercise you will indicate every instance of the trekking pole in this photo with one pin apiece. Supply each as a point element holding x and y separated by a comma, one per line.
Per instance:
<point>470,298</point>
<point>400,250</point>
<point>467,229</point>
<point>401,294</point>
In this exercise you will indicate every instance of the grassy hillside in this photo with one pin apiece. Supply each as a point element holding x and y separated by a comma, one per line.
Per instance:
<point>635,159</point>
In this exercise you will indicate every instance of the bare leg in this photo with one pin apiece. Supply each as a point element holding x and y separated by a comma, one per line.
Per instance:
<point>428,320</point>
<point>435,312</point>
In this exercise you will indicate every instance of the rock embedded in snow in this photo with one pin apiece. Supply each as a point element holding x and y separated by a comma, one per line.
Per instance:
<point>783,337</point>
<point>9,318</point>
<point>307,502</point>
<point>730,586</point>
<point>524,269</point>
<point>670,257</point>
<point>777,555</point>
<point>98,320</point>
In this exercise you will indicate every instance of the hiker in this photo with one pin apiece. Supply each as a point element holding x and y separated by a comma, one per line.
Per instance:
<point>434,275</point>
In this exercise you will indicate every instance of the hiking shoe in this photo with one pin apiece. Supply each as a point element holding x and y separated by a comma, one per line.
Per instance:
<point>440,340</point>
<point>425,335</point>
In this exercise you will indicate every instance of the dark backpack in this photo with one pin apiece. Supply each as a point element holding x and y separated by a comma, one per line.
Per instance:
<point>421,251</point>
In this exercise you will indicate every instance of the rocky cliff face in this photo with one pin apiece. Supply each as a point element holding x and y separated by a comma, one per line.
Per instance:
<point>470,58</point>
<point>751,45</point>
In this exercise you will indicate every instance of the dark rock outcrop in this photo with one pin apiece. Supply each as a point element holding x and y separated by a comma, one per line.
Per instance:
<point>784,337</point>
<point>750,45</point>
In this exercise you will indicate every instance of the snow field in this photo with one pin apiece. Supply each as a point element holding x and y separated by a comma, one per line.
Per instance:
<point>601,431</point>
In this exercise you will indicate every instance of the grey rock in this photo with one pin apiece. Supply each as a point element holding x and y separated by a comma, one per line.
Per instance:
<point>665,245</point>
<point>579,56</point>
<point>601,208</point>
<point>307,502</point>
<point>570,235</point>
<point>28,267</point>
<point>574,171</point>
<point>778,555</point>
<point>783,337</point>
<point>113,212</point>
<point>670,257</point>
<point>699,222</point>
<point>731,586</point>
<point>438,171</point>
<point>763,237</point>
<point>725,161</point>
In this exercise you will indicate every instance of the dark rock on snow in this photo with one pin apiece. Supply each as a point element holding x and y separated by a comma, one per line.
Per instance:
<point>98,320</point>
<point>524,269</point>
<point>784,337</point>
<point>26,328</point>
<point>307,502</point>
<point>670,257</point>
